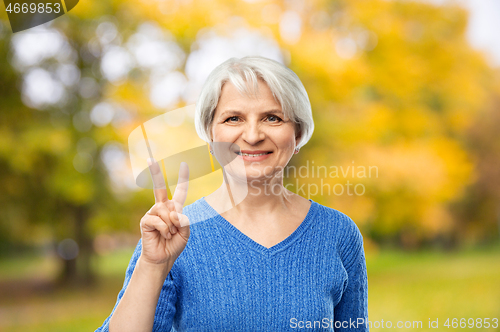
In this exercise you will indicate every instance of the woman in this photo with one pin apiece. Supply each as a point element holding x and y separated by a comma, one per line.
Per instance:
<point>274,261</point>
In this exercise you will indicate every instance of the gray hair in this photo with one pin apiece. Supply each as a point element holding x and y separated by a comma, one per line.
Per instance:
<point>284,84</point>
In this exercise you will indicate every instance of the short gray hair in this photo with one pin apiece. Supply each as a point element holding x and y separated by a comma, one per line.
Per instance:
<point>284,84</point>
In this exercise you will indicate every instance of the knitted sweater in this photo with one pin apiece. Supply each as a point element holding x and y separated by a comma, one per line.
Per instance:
<point>314,280</point>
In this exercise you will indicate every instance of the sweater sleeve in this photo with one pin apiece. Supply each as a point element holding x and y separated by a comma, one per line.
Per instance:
<point>165,309</point>
<point>351,313</point>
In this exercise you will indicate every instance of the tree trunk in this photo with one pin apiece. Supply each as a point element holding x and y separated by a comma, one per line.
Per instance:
<point>79,271</point>
<point>86,274</point>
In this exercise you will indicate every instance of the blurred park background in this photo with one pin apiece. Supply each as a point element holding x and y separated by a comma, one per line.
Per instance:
<point>394,85</point>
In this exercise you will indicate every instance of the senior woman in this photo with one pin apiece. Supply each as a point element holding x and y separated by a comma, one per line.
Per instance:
<point>274,261</point>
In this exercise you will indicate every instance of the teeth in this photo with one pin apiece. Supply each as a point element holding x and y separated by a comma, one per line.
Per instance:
<point>252,155</point>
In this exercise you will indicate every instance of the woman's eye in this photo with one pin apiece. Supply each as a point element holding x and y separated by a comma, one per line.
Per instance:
<point>273,118</point>
<point>232,119</point>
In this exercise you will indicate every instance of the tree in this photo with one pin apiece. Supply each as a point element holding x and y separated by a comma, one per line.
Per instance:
<point>478,212</point>
<point>394,85</point>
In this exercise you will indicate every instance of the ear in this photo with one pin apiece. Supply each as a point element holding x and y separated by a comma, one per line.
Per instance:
<point>211,133</point>
<point>298,137</point>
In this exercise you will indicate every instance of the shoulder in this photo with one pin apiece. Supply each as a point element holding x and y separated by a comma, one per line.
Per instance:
<point>340,228</point>
<point>343,225</point>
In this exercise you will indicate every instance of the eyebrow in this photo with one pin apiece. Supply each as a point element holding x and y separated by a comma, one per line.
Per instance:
<point>238,112</point>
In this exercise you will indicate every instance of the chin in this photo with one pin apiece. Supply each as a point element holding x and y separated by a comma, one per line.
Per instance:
<point>261,173</point>
<point>254,172</point>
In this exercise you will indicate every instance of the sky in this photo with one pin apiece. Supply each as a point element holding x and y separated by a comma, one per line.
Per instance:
<point>484,27</point>
<point>483,31</point>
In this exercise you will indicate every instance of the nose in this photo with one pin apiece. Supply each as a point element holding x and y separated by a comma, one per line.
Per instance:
<point>252,134</point>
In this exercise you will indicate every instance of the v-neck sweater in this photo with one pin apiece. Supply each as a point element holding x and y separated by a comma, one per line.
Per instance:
<point>223,280</point>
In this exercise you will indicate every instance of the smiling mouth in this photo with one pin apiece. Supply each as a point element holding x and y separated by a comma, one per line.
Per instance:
<point>251,154</point>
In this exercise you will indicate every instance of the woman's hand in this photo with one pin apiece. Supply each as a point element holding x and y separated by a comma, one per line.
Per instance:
<point>164,229</point>
<point>165,232</point>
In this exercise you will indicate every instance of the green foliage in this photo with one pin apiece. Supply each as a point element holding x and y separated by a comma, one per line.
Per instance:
<point>393,84</point>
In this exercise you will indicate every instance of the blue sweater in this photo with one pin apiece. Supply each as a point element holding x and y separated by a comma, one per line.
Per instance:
<point>314,280</point>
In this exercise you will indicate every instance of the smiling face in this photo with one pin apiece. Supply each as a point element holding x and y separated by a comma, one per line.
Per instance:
<point>256,124</point>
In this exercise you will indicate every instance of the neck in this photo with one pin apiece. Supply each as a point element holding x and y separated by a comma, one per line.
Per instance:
<point>252,197</point>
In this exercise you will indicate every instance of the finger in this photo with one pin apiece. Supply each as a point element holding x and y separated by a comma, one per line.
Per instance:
<point>156,208</point>
<point>179,220</point>
<point>159,187</point>
<point>152,223</point>
<point>171,206</point>
<point>173,229</point>
<point>181,189</point>
<point>164,213</point>
<point>184,220</point>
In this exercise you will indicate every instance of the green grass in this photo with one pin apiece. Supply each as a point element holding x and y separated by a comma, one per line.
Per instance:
<point>27,265</point>
<point>46,308</point>
<point>433,285</point>
<point>402,287</point>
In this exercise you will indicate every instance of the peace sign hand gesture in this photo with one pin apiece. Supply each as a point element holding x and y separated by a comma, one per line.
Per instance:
<point>164,229</point>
